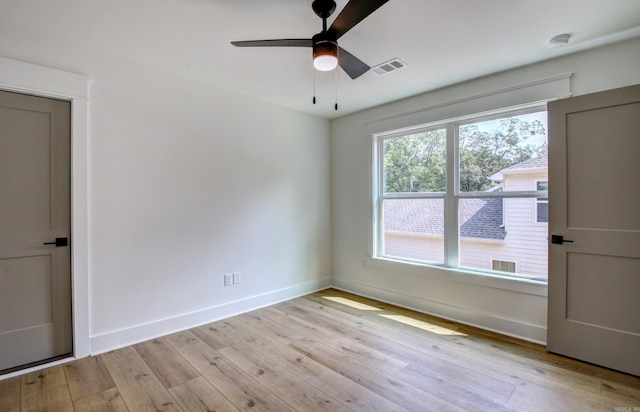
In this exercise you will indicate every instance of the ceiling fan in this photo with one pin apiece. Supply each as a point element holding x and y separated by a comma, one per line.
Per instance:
<point>327,55</point>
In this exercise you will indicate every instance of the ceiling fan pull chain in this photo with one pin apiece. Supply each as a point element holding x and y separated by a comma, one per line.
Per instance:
<point>335,78</point>
<point>314,85</point>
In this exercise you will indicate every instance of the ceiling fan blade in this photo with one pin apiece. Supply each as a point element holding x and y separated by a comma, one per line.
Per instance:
<point>353,66</point>
<point>353,13</point>
<point>274,43</point>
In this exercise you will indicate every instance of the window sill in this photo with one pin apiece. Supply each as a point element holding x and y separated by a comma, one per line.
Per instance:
<point>531,287</point>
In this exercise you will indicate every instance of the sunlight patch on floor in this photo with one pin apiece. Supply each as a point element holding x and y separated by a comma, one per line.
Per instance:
<point>351,303</point>
<point>439,330</point>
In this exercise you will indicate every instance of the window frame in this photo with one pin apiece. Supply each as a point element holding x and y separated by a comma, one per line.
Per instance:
<point>451,197</point>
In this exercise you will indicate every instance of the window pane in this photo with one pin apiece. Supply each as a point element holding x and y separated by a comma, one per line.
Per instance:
<point>413,229</point>
<point>543,211</point>
<point>488,149</point>
<point>542,185</point>
<point>502,230</point>
<point>415,163</point>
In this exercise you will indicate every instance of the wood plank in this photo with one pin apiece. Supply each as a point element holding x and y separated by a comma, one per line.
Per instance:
<point>277,331</point>
<point>136,382</point>
<point>271,319</point>
<point>533,401</point>
<point>472,350</point>
<point>106,401</point>
<point>167,364</point>
<point>210,335</point>
<point>86,377</point>
<point>465,397</point>
<point>383,384</point>
<point>10,393</point>
<point>335,339</point>
<point>46,389</point>
<point>352,393</point>
<point>622,393</point>
<point>332,383</point>
<point>278,352</point>
<point>243,391</point>
<point>199,395</point>
<point>296,392</point>
<point>419,355</point>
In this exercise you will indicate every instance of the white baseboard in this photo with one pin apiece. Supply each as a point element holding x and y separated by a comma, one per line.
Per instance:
<point>505,326</point>
<point>106,342</point>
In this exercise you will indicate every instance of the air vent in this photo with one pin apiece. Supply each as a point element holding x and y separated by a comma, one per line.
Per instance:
<point>388,67</point>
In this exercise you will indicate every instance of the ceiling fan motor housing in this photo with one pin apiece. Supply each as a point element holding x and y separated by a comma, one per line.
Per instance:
<point>324,45</point>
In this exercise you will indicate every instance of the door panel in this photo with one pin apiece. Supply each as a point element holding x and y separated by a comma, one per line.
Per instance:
<point>25,280</point>
<point>600,170</point>
<point>24,208</point>
<point>593,284</point>
<point>594,309</point>
<point>35,279</point>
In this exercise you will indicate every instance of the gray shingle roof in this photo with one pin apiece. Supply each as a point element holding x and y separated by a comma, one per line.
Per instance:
<point>536,162</point>
<point>480,218</point>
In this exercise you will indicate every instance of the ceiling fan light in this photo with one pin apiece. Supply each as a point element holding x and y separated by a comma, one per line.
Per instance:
<point>325,55</point>
<point>325,63</point>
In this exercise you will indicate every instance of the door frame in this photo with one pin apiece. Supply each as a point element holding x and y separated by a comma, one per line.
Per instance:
<point>41,81</point>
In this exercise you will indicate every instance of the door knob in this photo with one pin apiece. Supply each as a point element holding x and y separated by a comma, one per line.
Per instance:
<point>60,241</point>
<point>559,239</point>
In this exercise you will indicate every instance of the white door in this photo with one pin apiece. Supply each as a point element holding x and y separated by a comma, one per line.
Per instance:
<point>35,277</point>
<point>594,204</point>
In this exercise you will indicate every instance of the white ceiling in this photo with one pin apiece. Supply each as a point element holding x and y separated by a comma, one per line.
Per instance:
<point>442,41</point>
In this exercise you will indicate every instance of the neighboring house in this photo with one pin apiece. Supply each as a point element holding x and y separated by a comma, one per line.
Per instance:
<point>509,235</point>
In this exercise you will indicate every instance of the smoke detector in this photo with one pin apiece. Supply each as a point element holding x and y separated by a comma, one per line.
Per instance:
<point>388,67</point>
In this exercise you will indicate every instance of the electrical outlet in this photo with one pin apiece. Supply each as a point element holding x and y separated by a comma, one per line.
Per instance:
<point>228,279</point>
<point>236,278</point>
<point>363,263</point>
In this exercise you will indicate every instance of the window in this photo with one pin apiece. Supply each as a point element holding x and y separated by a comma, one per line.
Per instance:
<point>542,203</point>
<point>459,194</point>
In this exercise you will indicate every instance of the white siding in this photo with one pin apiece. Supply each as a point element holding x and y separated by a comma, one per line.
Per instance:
<point>411,246</point>
<point>526,239</point>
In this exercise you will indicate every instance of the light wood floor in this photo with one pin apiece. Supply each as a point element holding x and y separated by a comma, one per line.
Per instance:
<point>329,351</point>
